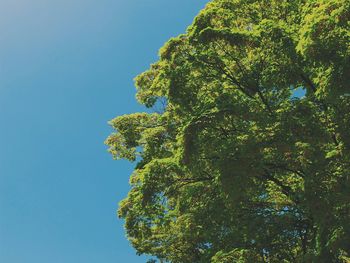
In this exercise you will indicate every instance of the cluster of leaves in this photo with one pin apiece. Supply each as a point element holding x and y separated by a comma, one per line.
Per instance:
<point>230,166</point>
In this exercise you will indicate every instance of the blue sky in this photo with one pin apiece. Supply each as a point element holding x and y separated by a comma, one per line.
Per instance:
<point>66,68</point>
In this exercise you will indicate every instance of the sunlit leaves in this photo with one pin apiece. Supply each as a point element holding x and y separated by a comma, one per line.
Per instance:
<point>230,166</point>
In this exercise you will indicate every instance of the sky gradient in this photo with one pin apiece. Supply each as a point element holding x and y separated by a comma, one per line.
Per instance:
<point>66,68</point>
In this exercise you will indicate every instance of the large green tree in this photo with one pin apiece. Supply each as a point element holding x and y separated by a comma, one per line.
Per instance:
<point>230,165</point>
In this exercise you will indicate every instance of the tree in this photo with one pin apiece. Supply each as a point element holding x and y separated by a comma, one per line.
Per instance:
<point>230,165</point>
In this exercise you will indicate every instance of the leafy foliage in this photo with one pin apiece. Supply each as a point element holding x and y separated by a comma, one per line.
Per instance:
<point>232,167</point>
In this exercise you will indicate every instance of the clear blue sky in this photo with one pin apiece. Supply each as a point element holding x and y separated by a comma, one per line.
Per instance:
<point>66,68</point>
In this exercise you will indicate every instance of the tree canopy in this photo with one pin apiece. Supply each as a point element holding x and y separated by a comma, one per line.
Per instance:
<point>231,166</point>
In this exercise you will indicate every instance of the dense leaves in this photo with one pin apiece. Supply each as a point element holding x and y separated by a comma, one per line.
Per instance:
<point>231,166</point>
